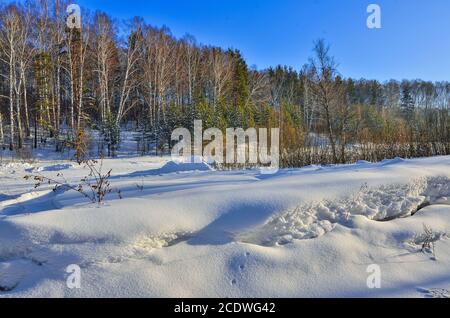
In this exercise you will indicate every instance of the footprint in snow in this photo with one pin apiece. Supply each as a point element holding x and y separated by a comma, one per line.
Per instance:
<point>241,267</point>
<point>13,272</point>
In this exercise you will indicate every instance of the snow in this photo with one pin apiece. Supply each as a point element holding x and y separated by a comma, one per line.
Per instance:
<point>177,167</point>
<point>186,230</point>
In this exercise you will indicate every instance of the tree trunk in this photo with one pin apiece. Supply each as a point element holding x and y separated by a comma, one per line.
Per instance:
<point>25,104</point>
<point>19,120</point>
<point>11,101</point>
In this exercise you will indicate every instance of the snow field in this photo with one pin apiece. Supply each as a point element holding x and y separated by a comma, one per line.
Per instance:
<point>186,230</point>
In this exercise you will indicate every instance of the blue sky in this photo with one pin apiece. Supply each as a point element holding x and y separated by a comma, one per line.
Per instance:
<point>414,41</point>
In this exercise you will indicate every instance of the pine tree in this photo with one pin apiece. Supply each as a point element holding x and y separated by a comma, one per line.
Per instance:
<point>240,93</point>
<point>111,134</point>
<point>205,113</point>
<point>407,103</point>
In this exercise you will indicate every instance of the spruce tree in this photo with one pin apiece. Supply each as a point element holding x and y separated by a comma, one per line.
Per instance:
<point>240,93</point>
<point>407,104</point>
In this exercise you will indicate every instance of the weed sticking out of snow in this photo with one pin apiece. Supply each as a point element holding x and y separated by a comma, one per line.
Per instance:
<point>95,186</point>
<point>384,203</point>
<point>427,240</point>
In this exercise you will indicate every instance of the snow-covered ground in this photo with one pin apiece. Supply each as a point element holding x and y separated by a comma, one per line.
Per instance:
<point>189,231</point>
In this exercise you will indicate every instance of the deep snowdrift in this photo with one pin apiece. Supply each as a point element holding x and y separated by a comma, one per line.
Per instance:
<point>186,230</point>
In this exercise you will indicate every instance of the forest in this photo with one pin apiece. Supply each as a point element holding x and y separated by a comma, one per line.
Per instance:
<point>58,84</point>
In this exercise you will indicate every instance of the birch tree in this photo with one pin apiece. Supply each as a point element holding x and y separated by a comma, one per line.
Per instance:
<point>9,36</point>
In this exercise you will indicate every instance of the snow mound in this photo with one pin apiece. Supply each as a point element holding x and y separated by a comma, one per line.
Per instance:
<point>172,167</point>
<point>396,160</point>
<point>385,203</point>
<point>438,190</point>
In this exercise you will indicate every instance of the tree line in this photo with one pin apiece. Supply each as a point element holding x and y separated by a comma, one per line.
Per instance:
<point>57,82</point>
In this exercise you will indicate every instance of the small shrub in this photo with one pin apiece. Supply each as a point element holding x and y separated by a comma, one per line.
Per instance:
<point>140,186</point>
<point>427,240</point>
<point>95,186</point>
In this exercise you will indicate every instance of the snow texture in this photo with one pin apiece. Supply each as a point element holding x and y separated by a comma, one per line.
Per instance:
<point>186,230</point>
